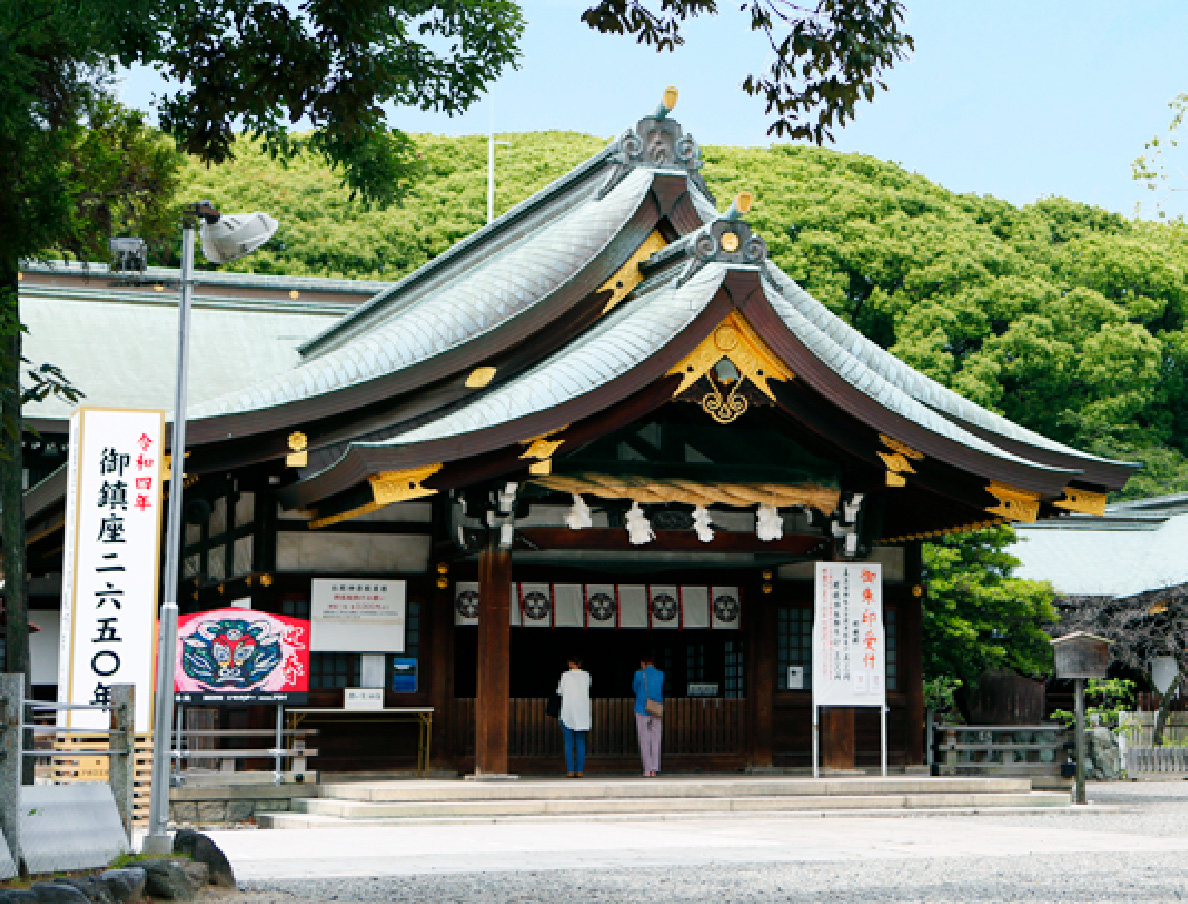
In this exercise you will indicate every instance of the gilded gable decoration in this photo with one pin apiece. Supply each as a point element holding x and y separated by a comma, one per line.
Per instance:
<point>736,341</point>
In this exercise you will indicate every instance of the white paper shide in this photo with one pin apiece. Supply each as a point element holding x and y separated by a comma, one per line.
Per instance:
<point>111,561</point>
<point>849,645</point>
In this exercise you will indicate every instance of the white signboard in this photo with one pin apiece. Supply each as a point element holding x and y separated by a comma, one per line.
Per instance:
<point>849,649</point>
<point>111,564</point>
<point>357,615</point>
<point>363,698</point>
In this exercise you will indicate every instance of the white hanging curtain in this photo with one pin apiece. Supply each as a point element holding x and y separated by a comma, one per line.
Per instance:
<point>536,605</point>
<point>664,605</point>
<point>602,605</point>
<point>568,606</point>
<point>633,606</point>
<point>725,607</point>
<point>695,612</point>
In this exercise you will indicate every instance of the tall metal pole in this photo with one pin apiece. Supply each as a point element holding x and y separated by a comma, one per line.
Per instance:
<point>157,842</point>
<point>491,165</point>
<point>1079,703</point>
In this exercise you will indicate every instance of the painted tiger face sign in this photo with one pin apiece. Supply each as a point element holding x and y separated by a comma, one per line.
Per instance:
<point>237,655</point>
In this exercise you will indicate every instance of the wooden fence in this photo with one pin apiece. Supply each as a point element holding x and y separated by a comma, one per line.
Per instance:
<point>1142,762</point>
<point>1018,750</point>
<point>692,727</point>
<point>67,769</point>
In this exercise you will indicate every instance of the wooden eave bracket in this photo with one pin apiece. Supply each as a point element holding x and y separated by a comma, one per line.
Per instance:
<point>387,487</point>
<point>936,534</point>
<point>1086,501</point>
<point>1014,504</point>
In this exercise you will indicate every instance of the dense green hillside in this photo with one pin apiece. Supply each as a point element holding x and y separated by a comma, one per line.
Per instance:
<point>1066,318</point>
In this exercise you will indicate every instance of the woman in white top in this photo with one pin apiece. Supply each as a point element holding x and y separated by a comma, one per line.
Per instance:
<point>574,688</point>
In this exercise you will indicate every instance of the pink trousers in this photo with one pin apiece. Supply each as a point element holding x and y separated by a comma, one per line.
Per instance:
<point>649,728</point>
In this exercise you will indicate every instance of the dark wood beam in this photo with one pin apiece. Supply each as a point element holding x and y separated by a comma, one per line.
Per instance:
<point>666,541</point>
<point>494,654</point>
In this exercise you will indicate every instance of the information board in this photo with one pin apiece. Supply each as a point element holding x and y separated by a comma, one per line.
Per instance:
<point>360,615</point>
<point>849,643</point>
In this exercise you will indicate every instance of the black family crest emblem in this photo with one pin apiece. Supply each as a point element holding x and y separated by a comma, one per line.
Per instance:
<point>536,605</point>
<point>467,604</point>
<point>602,607</point>
<point>725,608</point>
<point>664,607</point>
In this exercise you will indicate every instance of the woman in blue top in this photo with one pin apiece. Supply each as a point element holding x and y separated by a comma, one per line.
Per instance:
<point>648,685</point>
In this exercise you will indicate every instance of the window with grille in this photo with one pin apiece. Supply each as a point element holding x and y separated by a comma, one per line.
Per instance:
<point>695,662</point>
<point>734,668</point>
<point>794,643</point>
<point>333,670</point>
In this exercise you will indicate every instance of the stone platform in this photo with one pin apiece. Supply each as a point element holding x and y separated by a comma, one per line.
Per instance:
<point>401,802</point>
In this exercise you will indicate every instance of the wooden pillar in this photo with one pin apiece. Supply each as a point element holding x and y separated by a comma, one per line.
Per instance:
<point>441,674</point>
<point>494,654</point>
<point>837,737</point>
<point>761,637</point>
<point>911,643</point>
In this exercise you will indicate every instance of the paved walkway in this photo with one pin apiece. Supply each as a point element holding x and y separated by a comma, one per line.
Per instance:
<point>1132,843</point>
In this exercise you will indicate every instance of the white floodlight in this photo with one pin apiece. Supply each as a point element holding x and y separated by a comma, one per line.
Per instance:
<point>579,516</point>
<point>701,524</point>
<point>1163,672</point>
<point>768,523</point>
<point>639,529</point>
<point>235,235</point>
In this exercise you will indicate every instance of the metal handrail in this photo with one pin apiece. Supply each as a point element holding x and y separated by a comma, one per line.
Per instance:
<point>64,706</point>
<point>70,754</point>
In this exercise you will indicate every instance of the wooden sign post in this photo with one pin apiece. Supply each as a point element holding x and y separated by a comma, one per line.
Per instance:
<point>1079,656</point>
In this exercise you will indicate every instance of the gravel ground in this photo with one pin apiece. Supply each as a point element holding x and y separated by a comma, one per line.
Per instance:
<point>1152,809</point>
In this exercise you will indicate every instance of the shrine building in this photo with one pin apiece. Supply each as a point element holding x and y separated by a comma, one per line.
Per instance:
<point>605,425</point>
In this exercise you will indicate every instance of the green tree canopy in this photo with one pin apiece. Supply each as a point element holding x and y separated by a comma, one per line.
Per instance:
<point>976,616</point>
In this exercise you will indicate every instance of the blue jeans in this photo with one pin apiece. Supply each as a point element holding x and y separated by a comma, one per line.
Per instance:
<point>575,761</point>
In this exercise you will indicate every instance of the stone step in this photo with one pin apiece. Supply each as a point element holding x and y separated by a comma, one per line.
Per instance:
<point>338,813</point>
<point>367,810</point>
<point>652,789</point>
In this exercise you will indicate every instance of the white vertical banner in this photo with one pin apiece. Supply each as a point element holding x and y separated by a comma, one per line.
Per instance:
<point>664,605</point>
<point>568,606</point>
<point>111,568</point>
<point>536,605</point>
<point>725,608</point>
<point>602,605</point>
<point>849,646</point>
<point>466,603</point>
<point>695,612</point>
<point>633,606</point>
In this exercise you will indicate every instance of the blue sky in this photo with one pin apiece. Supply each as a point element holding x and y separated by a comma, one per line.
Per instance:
<point>1017,99</point>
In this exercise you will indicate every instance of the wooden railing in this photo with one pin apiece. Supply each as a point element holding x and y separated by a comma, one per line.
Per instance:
<point>1034,750</point>
<point>692,727</point>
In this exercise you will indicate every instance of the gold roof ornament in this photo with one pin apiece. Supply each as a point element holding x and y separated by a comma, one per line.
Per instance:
<point>1014,504</point>
<point>387,487</point>
<point>629,276</point>
<point>480,377</point>
<point>898,461</point>
<point>298,456</point>
<point>735,340</point>
<point>1077,500</point>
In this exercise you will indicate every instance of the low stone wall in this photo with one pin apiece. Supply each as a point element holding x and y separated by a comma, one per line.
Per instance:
<point>232,804</point>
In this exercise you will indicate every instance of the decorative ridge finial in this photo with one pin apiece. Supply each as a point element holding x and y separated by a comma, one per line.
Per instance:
<point>667,103</point>
<point>727,239</point>
<point>656,142</point>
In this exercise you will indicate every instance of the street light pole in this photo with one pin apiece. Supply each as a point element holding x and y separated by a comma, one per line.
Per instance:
<point>158,842</point>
